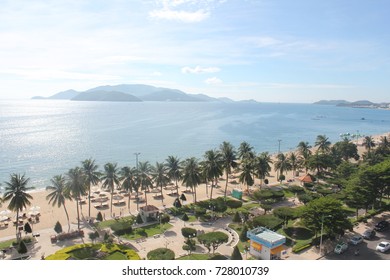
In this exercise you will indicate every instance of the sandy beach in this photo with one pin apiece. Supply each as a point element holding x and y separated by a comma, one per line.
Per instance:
<point>49,215</point>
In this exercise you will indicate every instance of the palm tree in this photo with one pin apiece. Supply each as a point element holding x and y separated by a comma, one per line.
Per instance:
<point>110,179</point>
<point>92,176</point>
<point>294,161</point>
<point>245,150</point>
<point>76,183</point>
<point>262,166</point>
<point>160,177</point>
<point>16,193</point>
<point>246,176</point>
<point>213,168</point>
<point>305,153</point>
<point>384,142</point>
<point>145,180</point>
<point>60,193</point>
<point>174,170</point>
<point>191,175</point>
<point>128,178</point>
<point>229,160</point>
<point>282,164</point>
<point>323,144</point>
<point>368,143</point>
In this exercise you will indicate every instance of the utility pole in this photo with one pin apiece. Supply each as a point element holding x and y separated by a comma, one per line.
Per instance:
<point>136,159</point>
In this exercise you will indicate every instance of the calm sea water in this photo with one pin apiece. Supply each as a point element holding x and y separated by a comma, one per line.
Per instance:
<point>43,138</point>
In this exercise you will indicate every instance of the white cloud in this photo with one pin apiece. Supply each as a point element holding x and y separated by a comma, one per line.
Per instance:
<point>199,70</point>
<point>184,10</point>
<point>156,74</point>
<point>183,16</point>
<point>213,81</point>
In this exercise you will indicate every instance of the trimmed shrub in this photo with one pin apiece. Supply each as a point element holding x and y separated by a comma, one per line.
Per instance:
<point>58,227</point>
<point>22,248</point>
<point>185,217</point>
<point>234,204</point>
<point>188,232</point>
<point>236,255</point>
<point>121,228</point>
<point>236,218</point>
<point>99,216</point>
<point>161,254</point>
<point>268,221</point>
<point>139,219</point>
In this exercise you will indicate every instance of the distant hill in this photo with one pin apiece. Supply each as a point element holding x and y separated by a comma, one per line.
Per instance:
<point>330,102</point>
<point>133,93</point>
<point>101,95</point>
<point>68,94</point>
<point>355,104</point>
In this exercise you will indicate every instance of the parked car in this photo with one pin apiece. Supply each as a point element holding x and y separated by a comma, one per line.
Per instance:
<point>355,240</point>
<point>383,246</point>
<point>341,248</point>
<point>382,225</point>
<point>369,234</point>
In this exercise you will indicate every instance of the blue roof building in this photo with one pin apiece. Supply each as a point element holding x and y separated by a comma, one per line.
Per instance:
<point>265,244</point>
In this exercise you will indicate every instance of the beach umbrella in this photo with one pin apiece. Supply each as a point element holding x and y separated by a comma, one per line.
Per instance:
<point>117,197</point>
<point>35,208</point>
<point>3,218</point>
<point>5,212</point>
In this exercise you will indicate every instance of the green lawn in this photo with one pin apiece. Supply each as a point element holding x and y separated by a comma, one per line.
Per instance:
<point>108,223</point>
<point>116,256</point>
<point>149,230</point>
<point>201,257</point>
<point>6,244</point>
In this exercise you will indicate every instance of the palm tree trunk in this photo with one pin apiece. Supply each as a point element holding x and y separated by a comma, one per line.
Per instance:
<point>146,198</point>
<point>162,196</point>
<point>137,200</point>
<point>17,225</point>
<point>211,192</point>
<point>226,185</point>
<point>112,194</point>
<point>67,217</point>
<point>89,200</point>
<point>128,202</point>
<point>78,214</point>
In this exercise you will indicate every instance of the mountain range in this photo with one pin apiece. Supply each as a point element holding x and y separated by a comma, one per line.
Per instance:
<point>133,93</point>
<point>355,104</point>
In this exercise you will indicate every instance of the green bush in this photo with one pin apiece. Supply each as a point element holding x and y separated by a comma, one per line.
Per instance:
<point>234,204</point>
<point>141,231</point>
<point>268,221</point>
<point>161,254</point>
<point>22,248</point>
<point>121,228</point>
<point>185,217</point>
<point>58,227</point>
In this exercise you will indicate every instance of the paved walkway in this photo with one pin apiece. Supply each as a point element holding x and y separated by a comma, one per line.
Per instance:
<point>171,239</point>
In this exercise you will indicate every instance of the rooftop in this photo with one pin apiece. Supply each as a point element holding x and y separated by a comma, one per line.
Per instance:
<point>266,235</point>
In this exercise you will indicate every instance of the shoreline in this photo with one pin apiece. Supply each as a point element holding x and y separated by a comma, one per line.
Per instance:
<point>49,215</point>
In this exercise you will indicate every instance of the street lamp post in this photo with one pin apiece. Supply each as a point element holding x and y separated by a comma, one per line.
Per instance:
<point>136,159</point>
<point>322,229</point>
<point>277,172</point>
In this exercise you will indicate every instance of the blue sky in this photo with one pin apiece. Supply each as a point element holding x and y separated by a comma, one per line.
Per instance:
<point>267,50</point>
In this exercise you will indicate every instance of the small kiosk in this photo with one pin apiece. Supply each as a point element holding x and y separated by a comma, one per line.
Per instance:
<point>265,244</point>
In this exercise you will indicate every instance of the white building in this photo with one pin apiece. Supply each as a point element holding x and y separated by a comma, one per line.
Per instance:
<point>265,244</point>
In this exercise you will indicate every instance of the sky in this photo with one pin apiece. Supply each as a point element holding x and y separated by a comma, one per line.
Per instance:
<point>266,50</point>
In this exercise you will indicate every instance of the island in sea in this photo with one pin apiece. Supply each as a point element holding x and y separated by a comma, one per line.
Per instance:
<point>134,93</point>
<point>355,104</point>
